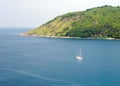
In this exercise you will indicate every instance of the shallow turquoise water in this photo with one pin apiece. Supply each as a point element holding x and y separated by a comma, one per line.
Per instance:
<point>39,61</point>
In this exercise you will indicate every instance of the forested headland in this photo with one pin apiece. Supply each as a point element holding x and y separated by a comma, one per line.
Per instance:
<point>99,22</point>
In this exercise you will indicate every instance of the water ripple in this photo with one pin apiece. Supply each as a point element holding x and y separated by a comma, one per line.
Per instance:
<point>38,76</point>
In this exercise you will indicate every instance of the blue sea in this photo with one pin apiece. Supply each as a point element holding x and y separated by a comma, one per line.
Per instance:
<point>41,61</point>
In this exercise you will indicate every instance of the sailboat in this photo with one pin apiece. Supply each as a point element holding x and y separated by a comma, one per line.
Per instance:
<point>79,56</point>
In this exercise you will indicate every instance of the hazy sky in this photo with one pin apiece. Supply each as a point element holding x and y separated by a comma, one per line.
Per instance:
<point>33,13</point>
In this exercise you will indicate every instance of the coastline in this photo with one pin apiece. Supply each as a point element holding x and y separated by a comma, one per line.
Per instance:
<point>66,37</point>
<point>24,34</point>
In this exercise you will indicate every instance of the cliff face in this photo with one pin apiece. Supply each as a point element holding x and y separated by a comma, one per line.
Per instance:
<point>99,22</point>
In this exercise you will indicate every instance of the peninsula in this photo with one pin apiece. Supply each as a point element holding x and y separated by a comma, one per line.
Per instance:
<point>98,22</point>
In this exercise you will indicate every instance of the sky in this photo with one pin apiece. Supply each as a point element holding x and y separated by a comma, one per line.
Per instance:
<point>33,13</point>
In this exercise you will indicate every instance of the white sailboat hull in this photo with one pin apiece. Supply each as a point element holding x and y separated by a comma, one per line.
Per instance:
<point>79,58</point>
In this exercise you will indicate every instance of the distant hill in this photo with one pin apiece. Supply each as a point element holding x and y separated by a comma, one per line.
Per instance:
<point>99,22</point>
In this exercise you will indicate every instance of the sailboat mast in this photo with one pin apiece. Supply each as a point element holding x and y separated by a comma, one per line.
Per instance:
<point>80,52</point>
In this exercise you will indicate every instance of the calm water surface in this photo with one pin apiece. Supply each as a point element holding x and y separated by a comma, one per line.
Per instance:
<point>39,61</point>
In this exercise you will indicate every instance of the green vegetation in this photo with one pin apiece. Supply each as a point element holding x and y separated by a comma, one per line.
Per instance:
<point>100,22</point>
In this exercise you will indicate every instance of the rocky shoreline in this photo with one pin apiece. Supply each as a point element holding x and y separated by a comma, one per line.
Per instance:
<point>29,35</point>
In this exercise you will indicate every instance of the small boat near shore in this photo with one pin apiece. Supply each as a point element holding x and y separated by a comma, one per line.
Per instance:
<point>79,55</point>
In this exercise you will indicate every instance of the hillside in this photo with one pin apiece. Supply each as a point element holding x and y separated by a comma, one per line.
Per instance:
<point>99,22</point>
